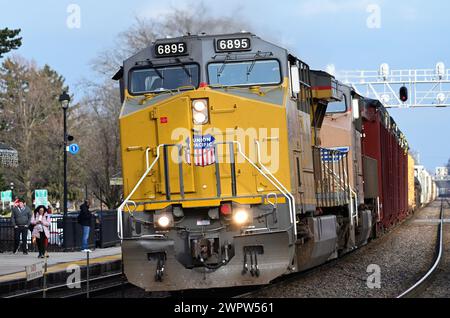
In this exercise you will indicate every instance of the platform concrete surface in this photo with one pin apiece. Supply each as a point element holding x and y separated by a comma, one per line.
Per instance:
<point>12,264</point>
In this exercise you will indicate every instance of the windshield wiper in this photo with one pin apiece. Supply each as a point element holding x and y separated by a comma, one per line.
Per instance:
<point>183,67</point>
<point>255,58</point>
<point>156,70</point>
<point>222,68</point>
<point>250,69</point>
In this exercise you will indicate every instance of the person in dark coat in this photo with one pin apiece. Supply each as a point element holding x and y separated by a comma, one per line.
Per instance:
<point>85,219</point>
<point>21,219</point>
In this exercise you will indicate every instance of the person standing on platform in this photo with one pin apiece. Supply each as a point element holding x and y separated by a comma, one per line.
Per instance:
<point>41,231</point>
<point>21,219</point>
<point>85,220</point>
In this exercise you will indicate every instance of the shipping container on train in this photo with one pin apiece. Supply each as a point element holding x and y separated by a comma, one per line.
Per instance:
<point>384,142</point>
<point>411,184</point>
<point>429,190</point>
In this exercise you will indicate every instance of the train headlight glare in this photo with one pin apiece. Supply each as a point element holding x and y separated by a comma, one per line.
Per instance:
<point>163,221</point>
<point>241,217</point>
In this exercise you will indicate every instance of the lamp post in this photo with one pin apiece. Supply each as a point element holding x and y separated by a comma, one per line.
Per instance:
<point>12,194</point>
<point>64,99</point>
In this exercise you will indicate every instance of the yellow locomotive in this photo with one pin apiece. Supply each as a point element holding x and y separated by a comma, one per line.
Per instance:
<point>224,178</point>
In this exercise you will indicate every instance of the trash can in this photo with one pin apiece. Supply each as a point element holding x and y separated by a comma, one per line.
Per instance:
<point>108,229</point>
<point>73,233</point>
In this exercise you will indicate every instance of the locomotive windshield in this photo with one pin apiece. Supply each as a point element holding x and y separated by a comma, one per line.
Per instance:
<point>248,73</point>
<point>160,79</point>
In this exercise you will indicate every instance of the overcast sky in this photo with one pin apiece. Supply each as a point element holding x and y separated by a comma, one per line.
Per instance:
<point>409,34</point>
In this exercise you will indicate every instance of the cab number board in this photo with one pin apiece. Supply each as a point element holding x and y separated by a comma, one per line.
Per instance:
<point>170,49</point>
<point>233,45</point>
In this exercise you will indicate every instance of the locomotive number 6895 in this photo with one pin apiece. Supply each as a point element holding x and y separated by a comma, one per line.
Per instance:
<point>231,45</point>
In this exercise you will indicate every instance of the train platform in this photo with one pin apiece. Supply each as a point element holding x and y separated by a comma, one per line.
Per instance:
<point>13,273</point>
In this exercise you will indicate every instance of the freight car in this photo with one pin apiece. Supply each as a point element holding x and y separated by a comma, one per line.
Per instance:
<point>380,173</point>
<point>385,143</point>
<point>229,177</point>
<point>412,189</point>
<point>428,186</point>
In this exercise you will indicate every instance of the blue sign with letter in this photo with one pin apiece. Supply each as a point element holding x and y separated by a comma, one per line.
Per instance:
<point>74,149</point>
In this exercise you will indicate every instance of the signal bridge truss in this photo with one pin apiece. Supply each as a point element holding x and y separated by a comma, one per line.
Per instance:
<point>426,87</point>
<point>442,178</point>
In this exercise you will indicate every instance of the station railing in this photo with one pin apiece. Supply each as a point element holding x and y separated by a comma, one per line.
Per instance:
<point>103,233</point>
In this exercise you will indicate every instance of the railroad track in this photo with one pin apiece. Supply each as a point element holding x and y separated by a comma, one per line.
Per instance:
<point>115,285</point>
<point>411,292</point>
<point>281,281</point>
<point>427,279</point>
<point>103,287</point>
<point>96,286</point>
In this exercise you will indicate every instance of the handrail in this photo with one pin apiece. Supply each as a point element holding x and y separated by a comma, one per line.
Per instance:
<point>125,202</point>
<point>353,214</point>
<point>268,175</point>
<point>286,193</point>
<point>279,187</point>
<point>337,178</point>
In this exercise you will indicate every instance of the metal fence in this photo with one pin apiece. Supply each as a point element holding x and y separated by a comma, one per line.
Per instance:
<point>103,232</point>
<point>54,241</point>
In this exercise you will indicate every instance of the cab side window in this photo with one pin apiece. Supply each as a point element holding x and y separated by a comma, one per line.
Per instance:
<point>304,98</point>
<point>338,107</point>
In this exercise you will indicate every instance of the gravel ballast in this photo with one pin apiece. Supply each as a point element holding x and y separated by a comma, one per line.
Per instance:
<point>403,255</point>
<point>439,287</point>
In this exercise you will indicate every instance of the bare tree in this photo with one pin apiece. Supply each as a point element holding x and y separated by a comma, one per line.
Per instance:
<point>100,140</point>
<point>30,120</point>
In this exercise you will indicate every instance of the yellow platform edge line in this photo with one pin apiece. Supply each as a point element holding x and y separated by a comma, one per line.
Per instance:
<point>62,267</point>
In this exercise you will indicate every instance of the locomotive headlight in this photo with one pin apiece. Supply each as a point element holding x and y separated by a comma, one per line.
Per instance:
<point>200,118</point>
<point>241,217</point>
<point>199,105</point>
<point>200,111</point>
<point>163,220</point>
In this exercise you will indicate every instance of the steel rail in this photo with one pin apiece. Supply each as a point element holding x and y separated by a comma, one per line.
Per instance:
<point>282,281</point>
<point>437,262</point>
<point>38,291</point>
<point>98,290</point>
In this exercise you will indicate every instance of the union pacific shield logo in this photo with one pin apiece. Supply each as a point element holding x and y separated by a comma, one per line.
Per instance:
<point>204,150</point>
